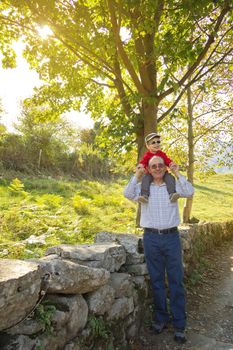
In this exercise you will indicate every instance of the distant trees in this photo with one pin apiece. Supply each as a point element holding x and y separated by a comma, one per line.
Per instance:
<point>51,145</point>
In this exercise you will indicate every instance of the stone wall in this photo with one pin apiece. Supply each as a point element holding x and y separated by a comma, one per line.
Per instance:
<point>81,297</point>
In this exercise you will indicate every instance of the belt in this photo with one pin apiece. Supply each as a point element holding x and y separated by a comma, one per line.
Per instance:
<point>162,232</point>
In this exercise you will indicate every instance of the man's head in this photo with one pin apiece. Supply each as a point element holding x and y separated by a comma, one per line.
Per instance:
<point>152,142</point>
<point>157,168</point>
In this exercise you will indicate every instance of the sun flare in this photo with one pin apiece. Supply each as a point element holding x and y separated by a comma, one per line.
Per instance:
<point>44,31</point>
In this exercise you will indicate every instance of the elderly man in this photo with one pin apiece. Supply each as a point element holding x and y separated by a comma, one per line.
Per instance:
<point>162,246</point>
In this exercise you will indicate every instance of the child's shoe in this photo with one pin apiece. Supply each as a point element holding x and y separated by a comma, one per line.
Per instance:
<point>173,197</point>
<point>143,199</point>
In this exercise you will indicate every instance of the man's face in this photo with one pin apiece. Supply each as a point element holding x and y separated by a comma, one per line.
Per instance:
<point>157,168</point>
<point>153,145</point>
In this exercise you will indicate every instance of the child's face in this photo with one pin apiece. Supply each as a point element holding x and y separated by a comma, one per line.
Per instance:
<point>153,145</point>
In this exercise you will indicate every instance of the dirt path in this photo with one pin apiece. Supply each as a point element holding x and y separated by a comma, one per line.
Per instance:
<point>209,310</point>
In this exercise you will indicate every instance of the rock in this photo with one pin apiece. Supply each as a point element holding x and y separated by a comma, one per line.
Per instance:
<point>141,284</point>
<point>138,269</point>
<point>21,342</point>
<point>101,300</point>
<point>72,346</point>
<point>109,256</point>
<point>134,258</point>
<point>40,240</point>
<point>122,284</point>
<point>27,327</point>
<point>121,308</point>
<point>67,277</point>
<point>59,319</point>
<point>77,311</point>
<point>20,283</point>
<point>131,242</point>
<point>74,312</point>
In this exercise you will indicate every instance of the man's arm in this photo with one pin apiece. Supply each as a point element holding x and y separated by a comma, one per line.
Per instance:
<point>183,187</point>
<point>132,190</point>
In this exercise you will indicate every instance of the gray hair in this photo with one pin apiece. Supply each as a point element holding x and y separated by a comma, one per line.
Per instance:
<point>161,160</point>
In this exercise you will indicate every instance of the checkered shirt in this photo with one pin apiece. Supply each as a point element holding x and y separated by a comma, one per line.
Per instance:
<point>159,213</point>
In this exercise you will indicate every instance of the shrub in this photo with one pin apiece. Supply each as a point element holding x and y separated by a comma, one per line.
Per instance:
<point>16,188</point>
<point>81,205</point>
<point>49,201</point>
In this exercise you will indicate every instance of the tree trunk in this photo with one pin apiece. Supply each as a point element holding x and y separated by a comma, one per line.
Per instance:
<point>39,159</point>
<point>190,171</point>
<point>149,125</point>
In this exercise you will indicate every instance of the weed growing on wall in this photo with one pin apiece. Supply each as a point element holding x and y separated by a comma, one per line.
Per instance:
<point>101,332</point>
<point>44,314</point>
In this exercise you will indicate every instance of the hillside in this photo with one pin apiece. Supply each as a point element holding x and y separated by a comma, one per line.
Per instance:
<point>60,211</point>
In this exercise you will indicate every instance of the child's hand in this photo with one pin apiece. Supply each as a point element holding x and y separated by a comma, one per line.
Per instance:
<point>140,170</point>
<point>174,168</point>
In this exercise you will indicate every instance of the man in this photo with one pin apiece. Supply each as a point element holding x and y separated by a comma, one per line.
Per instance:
<point>162,246</point>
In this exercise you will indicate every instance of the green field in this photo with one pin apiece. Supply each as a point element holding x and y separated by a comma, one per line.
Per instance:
<point>72,212</point>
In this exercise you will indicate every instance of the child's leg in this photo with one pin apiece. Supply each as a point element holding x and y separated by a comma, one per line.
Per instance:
<point>171,186</point>
<point>145,188</point>
<point>170,182</point>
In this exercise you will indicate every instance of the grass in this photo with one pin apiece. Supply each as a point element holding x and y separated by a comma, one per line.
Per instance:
<point>65,211</point>
<point>213,200</point>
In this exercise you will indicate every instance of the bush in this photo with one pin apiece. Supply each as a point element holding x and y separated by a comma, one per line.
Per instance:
<point>50,201</point>
<point>81,205</point>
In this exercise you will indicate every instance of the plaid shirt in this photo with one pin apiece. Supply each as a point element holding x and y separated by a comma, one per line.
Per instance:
<point>159,213</point>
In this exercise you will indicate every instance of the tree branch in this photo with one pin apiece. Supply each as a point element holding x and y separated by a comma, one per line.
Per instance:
<point>201,56</point>
<point>121,50</point>
<point>211,128</point>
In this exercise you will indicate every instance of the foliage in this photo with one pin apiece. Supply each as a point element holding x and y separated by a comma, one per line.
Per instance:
<point>130,62</point>
<point>50,201</point>
<point>47,148</point>
<point>98,327</point>
<point>212,121</point>
<point>101,332</point>
<point>44,314</point>
<point>13,152</point>
<point>81,205</point>
<point>16,188</point>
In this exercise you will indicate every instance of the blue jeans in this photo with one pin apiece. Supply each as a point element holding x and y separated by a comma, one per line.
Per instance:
<point>163,253</point>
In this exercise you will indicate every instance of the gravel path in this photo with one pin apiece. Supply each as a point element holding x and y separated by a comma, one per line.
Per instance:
<point>209,310</point>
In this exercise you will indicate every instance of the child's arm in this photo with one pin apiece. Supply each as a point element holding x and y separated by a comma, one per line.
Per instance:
<point>145,159</point>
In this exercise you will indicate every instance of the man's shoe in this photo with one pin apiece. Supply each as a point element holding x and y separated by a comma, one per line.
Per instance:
<point>173,197</point>
<point>179,337</point>
<point>157,328</point>
<point>143,199</point>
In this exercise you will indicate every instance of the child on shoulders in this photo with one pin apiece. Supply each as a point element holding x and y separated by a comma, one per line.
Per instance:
<point>153,142</point>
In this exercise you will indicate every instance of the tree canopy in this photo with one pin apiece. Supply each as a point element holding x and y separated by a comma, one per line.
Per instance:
<point>130,62</point>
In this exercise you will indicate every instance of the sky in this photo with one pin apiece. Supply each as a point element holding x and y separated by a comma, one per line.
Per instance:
<point>17,84</point>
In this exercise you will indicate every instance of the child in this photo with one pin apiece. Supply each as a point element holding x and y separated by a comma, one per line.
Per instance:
<point>153,145</point>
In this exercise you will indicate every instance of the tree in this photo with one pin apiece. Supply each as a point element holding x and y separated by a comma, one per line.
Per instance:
<point>142,54</point>
<point>47,139</point>
<point>203,133</point>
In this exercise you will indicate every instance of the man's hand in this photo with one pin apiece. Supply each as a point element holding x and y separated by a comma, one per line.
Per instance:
<point>174,169</point>
<point>140,170</point>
